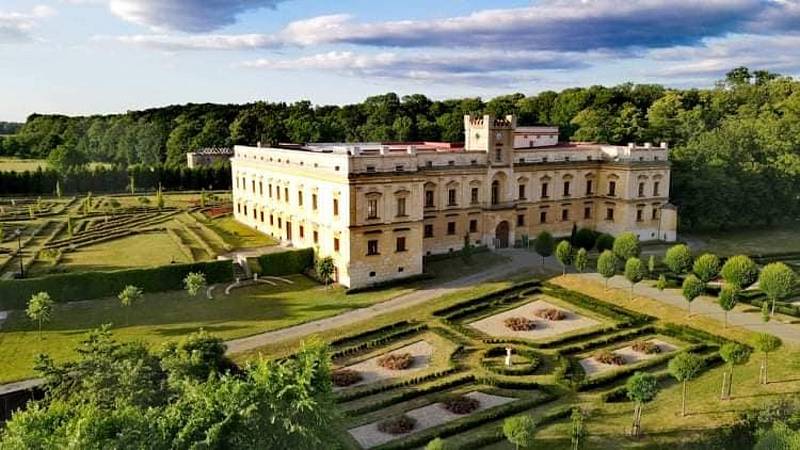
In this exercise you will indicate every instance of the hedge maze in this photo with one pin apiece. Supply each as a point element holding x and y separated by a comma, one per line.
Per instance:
<point>59,233</point>
<point>468,366</point>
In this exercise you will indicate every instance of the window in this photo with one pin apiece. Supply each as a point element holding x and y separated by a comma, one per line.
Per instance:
<point>566,189</point>
<point>280,222</point>
<point>336,244</point>
<point>302,232</point>
<point>641,189</point>
<point>474,196</point>
<point>245,210</point>
<point>314,202</point>
<point>253,185</point>
<point>609,213</point>
<point>639,215</point>
<point>587,212</point>
<point>372,208</point>
<point>564,215</point>
<point>655,213</point>
<point>495,192</point>
<point>399,168</point>
<point>255,214</point>
<point>237,182</point>
<point>612,188</point>
<point>520,220</point>
<point>544,190</point>
<point>451,197</point>
<point>451,228</point>
<point>588,187</point>
<point>543,217</point>
<point>239,208</point>
<point>262,216</point>
<point>260,188</point>
<point>300,198</point>
<point>655,189</point>
<point>428,232</point>
<point>521,192</point>
<point>372,247</point>
<point>401,206</point>
<point>286,194</point>
<point>370,169</point>
<point>271,220</point>
<point>429,199</point>
<point>401,244</point>
<point>473,226</point>
<point>269,190</point>
<point>315,234</point>
<point>336,207</point>
<point>498,155</point>
<point>277,192</point>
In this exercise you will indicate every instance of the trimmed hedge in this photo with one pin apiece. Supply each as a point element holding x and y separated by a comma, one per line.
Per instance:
<point>68,287</point>
<point>286,263</point>
<point>411,394</point>
<point>358,392</point>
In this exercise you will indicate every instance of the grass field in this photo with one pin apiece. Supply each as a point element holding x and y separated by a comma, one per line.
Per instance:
<point>20,164</point>
<point>757,241</point>
<point>238,235</point>
<point>143,250</point>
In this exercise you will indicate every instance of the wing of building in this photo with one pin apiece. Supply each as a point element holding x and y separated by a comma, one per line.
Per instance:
<point>378,208</point>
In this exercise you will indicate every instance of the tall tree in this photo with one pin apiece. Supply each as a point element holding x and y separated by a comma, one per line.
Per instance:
<point>685,367</point>
<point>706,267</point>
<point>739,271</point>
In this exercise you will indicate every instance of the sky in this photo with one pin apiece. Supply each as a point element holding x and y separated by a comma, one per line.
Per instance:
<point>107,56</point>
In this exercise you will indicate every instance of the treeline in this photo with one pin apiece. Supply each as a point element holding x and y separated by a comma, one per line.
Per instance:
<point>736,146</point>
<point>9,127</point>
<point>114,179</point>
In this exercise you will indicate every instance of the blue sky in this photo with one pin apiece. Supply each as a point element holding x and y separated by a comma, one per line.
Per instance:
<point>104,56</point>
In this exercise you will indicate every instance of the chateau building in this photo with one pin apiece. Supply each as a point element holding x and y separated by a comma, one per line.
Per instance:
<point>378,208</point>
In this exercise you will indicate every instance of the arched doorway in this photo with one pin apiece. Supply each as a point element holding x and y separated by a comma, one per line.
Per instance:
<point>501,235</point>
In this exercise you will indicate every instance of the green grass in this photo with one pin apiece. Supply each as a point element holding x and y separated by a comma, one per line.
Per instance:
<point>757,241</point>
<point>142,250</point>
<point>171,315</point>
<point>20,164</point>
<point>239,235</point>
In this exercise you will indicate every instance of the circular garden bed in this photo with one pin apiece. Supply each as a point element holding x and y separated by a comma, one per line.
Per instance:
<point>523,361</point>
<point>461,404</point>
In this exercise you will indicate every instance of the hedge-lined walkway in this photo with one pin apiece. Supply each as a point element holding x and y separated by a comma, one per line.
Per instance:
<point>520,261</point>
<point>745,316</point>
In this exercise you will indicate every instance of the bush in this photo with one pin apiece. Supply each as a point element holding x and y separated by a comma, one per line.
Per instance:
<point>604,242</point>
<point>396,361</point>
<point>520,324</point>
<point>69,287</point>
<point>345,377</point>
<point>551,314</point>
<point>585,238</point>
<point>609,357</point>
<point>286,263</point>
<point>461,404</point>
<point>646,347</point>
<point>397,425</point>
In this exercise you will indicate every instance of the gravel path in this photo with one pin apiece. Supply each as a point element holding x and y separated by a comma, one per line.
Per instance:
<point>429,416</point>
<point>593,367</point>
<point>371,371</point>
<point>494,325</point>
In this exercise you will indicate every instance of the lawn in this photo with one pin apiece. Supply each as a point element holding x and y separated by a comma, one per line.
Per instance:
<point>21,165</point>
<point>238,235</point>
<point>141,250</point>
<point>757,241</point>
<point>164,316</point>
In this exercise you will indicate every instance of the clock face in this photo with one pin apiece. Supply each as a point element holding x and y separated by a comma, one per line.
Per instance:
<point>498,136</point>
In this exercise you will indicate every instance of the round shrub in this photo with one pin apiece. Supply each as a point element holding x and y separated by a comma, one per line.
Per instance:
<point>609,357</point>
<point>396,361</point>
<point>345,377</point>
<point>397,425</point>
<point>461,404</point>
<point>552,314</point>
<point>646,347</point>
<point>520,324</point>
<point>585,238</point>
<point>604,242</point>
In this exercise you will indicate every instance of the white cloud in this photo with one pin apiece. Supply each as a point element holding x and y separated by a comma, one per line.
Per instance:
<point>16,27</point>
<point>185,15</point>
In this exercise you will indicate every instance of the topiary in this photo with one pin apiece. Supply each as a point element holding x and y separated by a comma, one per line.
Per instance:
<point>604,242</point>
<point>585,238</point>
<point>461,404</point>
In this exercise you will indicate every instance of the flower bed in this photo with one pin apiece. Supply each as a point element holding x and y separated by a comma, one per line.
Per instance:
<point>397,425</point>
<point>520,324</point>
<point>396,361</point>
<point>646,347</point>
<point>461,404</point>
<point>609,357</point>
<point>551,314</point>
<point>345,377</point>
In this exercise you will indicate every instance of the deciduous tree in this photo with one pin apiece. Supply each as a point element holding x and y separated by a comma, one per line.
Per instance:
<point>706,267</point>
<point>544,245</point>
<point>564,255</point>
<point>607,266</point>
<point>728,296</point>
<point>733,354</point>
<point>634,272</point>
<point>778,281</point>
<point>692,288</point>
<point>739,271</point>
<point>194,283</point>
<point>766,343</point>
<point>626,246</point>
<point>642,387</point>
<point>40,309</point>
<point>685,367</point>
<point>581,260</point>
<point>519,430</point>
<point>679,259</point>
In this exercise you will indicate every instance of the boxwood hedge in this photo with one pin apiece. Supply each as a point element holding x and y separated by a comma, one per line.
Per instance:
<point>286,263</point>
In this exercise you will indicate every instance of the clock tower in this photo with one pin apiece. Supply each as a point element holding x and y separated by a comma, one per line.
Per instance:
<point>492,135</point>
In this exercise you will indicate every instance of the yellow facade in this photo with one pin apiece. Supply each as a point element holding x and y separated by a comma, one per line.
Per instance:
<point>378,209</point>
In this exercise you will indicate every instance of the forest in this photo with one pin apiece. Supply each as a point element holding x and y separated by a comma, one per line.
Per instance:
<point>736,146</point>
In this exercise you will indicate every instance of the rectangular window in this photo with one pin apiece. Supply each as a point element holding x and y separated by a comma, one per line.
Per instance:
<point>474,196</point>
<point>280,222</point>
<point>566,189</point>
<point>522,192</point>
<point>372,208</point>
<point>498,155</point>
<point>260,188</point>
<point>253,185</point>
<point>239,208</point>
<point>451,228</point>
<point>314,202</point>
<point>655,213</point>
<point>587,212</point>
<point>336,244</point>
<point>588,187</point>
<point>269,190</point>
<point>262,216</point>
<point>520,220</point>
<point>639,215</point>
<point>336,207</point>
<point>401,206</point>
<point>564,215</point>
<point>612,188</point>
<point>277,192</point>
<point>286,194</point>
<point>245,210</point>
<point>609,213</point>
<point>372,247</point>
<point>451,197</point>
<point>641,189</point>
<point>271,220</point>
<point>237,182</point>
<point>543,217</point>
<point>655,189</point>
<point>473,226</point>
<point>429,199</point>
<point>544,190</point>
<point>302,232</point>
<point>300,198</point>
<point>401,244</point>
<point>316,236</point>
<point>399,168</point>
<point>370,169</point>
<point>428,233</point>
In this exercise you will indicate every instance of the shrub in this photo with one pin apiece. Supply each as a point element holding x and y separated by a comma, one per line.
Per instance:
<point>627,246</point>
<point>604,242</point>
<point>739,271</point>
<point>396,361</point>
<point>585,238</point>
<point>552,314</point>
<point>286,263</point>
<point>397,425</point>
<point>678,259</point>
<point>345,377</point>
<point>609,357</point>
<point>646,347</point>
<point>461,404</point>
<point>520,324</point>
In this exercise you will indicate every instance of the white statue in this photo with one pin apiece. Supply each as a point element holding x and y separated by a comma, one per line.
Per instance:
<point>508,356</point>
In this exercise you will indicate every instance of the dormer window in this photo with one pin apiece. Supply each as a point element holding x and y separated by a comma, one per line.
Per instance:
<point>370,169</point>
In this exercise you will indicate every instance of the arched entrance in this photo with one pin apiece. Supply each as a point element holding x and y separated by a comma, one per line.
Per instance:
<point>501,235</point>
